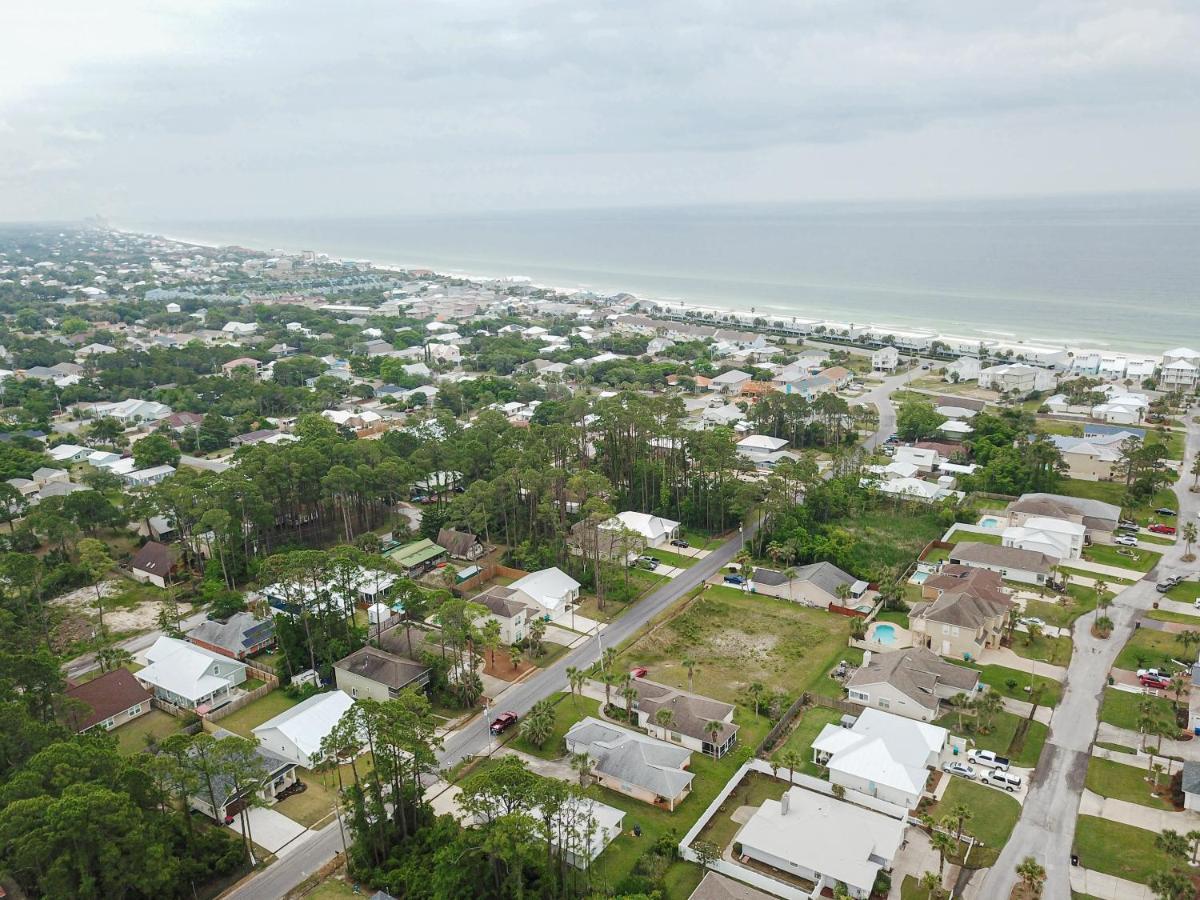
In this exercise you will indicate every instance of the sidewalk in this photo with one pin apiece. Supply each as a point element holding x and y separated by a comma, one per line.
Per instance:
<point>1021,708</point>
<point>1156,820</point>
<point>1003,656</point>
<point>1102,570</point>
<point>1107,887</point>
<point>1111,734</point>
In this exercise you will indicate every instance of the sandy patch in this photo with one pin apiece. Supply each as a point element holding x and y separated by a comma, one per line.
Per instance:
<point>81,604</point>
<point>739,645</point>
<point>84,598</point>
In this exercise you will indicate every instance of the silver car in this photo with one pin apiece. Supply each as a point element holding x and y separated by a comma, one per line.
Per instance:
<point>962,769</point>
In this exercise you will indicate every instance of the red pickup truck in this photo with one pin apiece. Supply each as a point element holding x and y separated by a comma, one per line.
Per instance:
<point>503,722</point>
<point>1162,529</point>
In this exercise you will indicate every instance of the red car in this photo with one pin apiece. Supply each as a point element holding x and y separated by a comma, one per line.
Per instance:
<point>1162,529</point>
<point>503,722</point>
<point>1155,681</point>
<point>638,672</point>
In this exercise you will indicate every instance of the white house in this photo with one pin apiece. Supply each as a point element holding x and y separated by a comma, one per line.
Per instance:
<point>144,477</point>
<point>549,591</point>
<point>130,412</point>
<point>1016,378</point>
<point>240,329</point>
<point>188,676</point>
<point>654,530</point>
<point>1043,534</point>
<point>923,458</point>
<point>1180,370</point>
<point>824,840</point>
<point>296,734</point>
<point>882,755</point>
<point>885,359</point>
<point>730,382</point>
<point>965,368</point>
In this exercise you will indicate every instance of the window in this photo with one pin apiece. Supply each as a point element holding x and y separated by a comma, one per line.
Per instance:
<point>353,692</point>
<point>945,629</point>
<point>110,724</point>
<point>860,695</point>
<point>954,631</point>
<point>884,704</point>
<point>135,710</point>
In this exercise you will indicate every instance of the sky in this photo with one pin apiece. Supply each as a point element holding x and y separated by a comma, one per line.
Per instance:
<point>225,109</point>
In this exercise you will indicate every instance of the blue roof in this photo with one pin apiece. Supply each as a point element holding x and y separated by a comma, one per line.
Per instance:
<point>1090,430</point>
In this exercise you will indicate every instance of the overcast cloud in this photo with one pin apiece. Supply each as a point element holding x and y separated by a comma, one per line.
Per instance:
<point>239,108</point>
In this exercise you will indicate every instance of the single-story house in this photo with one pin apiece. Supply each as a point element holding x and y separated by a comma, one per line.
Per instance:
<point>1012,563</point>
<point>154,563</point>
<point>379,675</point>
<point>278,775</point>
<point>633,764</point>
<point>239,636</point>
<point>714,886</point>
<point>655,531</point>
<point>882,755</point>
<point>548,591</point>
<point>913,683</point>
<point>817,584</point>
<point>109,701</point>
<point>460,544</point>
<point>1055,537</point>
<point>189,676</point>
<point>823,840</point>
<point>146,477</point>
<point>296,734</point>
<point>1099,518</point>
<point>730,382</point>
<point>1191,786</point>
<point>685,719</point>
<point>417,557</point>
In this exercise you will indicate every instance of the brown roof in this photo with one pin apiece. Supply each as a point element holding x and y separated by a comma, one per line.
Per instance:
<point>966,596</point>
<point>183,419</point>
<point>915,673</point>
<point>835,373</point>
<point>717,887</point>
<point>691,711</point>
<point>111,693</point>
<point>384,668</point>
<point>460,543</point>
<point>155,558</point>
<point>500,601</point>
<point>1007,557</point>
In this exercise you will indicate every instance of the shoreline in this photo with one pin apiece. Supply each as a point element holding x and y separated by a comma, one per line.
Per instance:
<point>743,316</point>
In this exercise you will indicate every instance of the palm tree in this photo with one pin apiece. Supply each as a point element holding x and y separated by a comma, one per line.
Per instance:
<point>792,760</point>
<point>1188,639</point>
<point>1103,626</point>
<point>1173,844</point>
<point>858,628</point>
<point>582,763</point>
<point>1032,875</point>
<point>988,704</point>
<point>1103,597</point>
<point>575,683</point>
<point>664,718</point>
<point>960,814</point>
<point>945,846</point>
<point>609,680</point>
<point>842,592</point>
<point>1194,837</point>
<point>931,882</point>
<point>629,693</point>
<point>1172,885</point>
<point>1189,538</point>
<point>790,574</point>
<point>713,729</point>
<point>539,723</point>
<point>756,691</point>
<point>690,664</point>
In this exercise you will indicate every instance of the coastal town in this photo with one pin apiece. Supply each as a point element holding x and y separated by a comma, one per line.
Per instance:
<point>323,578</point>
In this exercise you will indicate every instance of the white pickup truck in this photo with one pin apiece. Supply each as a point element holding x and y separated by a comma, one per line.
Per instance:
<point>989,759</point>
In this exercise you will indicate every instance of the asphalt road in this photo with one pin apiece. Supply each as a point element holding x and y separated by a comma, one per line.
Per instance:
<point>1046,829</point>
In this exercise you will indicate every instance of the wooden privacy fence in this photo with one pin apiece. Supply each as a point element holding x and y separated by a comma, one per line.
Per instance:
<point>238,702</point>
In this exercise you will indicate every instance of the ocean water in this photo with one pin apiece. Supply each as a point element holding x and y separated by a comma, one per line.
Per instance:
<point>1117,271</point>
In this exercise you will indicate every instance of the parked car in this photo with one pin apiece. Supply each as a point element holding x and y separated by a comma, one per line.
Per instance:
<point>1158,682</point>
<point>1126,540</point>
<point>648,558</point>
<point>734,579</point>
<point>1157,672</point>
<point>680,542</point>
<point>1128,529</point>
<point>648,564</point>
<point>1165,511</point>
<point>503,722</point>
<point>1003,779</point>
<point>989,759</point>
<point>638,672</point>
<point>962,769</point>
<point>1127,523</point>
<point>1033,620</point>
<point>1159,528</point>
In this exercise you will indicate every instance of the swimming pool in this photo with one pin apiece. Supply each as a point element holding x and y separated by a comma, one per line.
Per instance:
<point>885,633</point>
<point>918,577</point>
<point>990,522</point>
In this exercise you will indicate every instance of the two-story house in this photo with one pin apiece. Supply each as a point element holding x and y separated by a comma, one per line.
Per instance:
<point>967,610</point>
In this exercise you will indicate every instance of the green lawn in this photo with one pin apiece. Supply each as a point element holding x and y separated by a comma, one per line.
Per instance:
<point>1000,739</point>
<point>1054,426</point>
<point>893,615</point>
<point>1114,779</point>
<point>1114,492</point>
<point>1156,539</point>
<point>567,712</point>
<point>1187,592</point>
<point>1118,849</point>
<point>1123,557</point>
<point>670,558</point>
<point>808,726</point>
<point>1110,580</point>
<point>156,724</point>
<point>1053,650</point>
<point>254,714</point>
<point>910,889</point>
<point>995,814</point>
<point>699,539</point>
<point>1065,610</point>
<point>1163,615</point>
<point>738,638</point>
<point>1148,649</point>
<point>751,791</point>
<point>1124,708</point>
<point>1000,678</point>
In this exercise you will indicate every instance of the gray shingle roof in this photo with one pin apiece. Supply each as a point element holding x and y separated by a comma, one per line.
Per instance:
<point>997,555</point>
<point>1191,777</point>
<point>237,634</point>
<point>915,672</point>
<point>691,712</point>
<point>633,758</point>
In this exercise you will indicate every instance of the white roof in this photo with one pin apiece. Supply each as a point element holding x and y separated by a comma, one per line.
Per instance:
<point>762,442</point>
<point>65,451</point>
<point>181,668</point>
<point>549,587</point>
<point>824,834</point>
<point>1183,352</point>
<point>307,723</point>
<point>887,749</point>
<point>652,528</point>
<point>1055,526</point>
<point>733,376</point>
<point>953,426</point>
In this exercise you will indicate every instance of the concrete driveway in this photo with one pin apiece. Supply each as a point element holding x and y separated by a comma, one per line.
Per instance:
<point>271,830</point>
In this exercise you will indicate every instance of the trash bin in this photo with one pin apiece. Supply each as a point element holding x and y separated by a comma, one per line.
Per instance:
<point>1074,859</point>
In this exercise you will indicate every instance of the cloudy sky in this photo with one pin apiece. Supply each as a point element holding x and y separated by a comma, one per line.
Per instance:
<point>242,108</point>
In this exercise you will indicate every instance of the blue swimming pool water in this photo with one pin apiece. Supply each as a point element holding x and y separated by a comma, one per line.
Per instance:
<point>989,522</point>
<point>919,577</point>
<point>885,633</point>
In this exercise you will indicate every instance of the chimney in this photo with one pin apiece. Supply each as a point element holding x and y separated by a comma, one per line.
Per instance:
<point>785,802</point>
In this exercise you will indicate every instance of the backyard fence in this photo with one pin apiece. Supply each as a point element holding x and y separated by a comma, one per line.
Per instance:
<point>486,574</point>
<point>835,703</point>
<point>767,744</point>
<point>238,702</point>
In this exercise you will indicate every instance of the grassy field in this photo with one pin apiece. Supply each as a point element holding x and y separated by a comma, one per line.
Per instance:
<point>254,714</point>
<point>1111,580</point>
<point>1066,609</point>
<point>567,712</point>
<point>1114,779</point>
<point>1118,849</point>
<point>670,558</point>
<point>1162,615</point>
<point>1053,650</point>
<point>1124,709</point>
<point>808,726</point>
<point>888,537</point>
<point>131,738</point>
<point>1000,739</point>
<point>1188,592</point>
<point>1013,683</point>
<point>1063,429</point>
<point>1123,557</point>
<point>1153,650</point>
<point>995,815</point>
<point>751,791</point>
<point>738,638</point>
